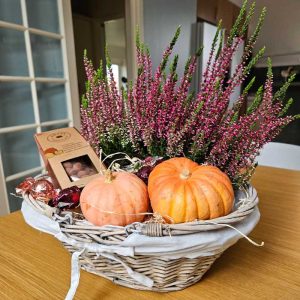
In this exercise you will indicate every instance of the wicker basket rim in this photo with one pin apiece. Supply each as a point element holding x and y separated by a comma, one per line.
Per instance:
<point>243,207</point>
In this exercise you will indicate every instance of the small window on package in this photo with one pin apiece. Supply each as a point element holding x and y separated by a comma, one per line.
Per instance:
<point>79,167</point>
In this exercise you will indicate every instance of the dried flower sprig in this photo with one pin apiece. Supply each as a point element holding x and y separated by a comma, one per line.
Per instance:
<point>158,116</point>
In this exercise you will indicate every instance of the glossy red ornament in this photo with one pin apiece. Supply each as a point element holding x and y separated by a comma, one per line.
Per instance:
<point>25,186</point>
<point>67,198</point>
<point>43,189</point>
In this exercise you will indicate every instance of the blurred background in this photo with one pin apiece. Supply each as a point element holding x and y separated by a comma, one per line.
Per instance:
<point>41,61</point>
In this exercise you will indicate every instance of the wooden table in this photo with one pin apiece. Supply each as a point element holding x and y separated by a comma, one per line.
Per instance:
<point>34,265</point>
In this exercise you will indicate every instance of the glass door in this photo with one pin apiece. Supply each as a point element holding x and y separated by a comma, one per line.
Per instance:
<point>38,85</point>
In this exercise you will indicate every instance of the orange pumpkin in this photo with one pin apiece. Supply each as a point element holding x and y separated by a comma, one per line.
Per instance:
<point>114,199</point>
<point>185,191</point>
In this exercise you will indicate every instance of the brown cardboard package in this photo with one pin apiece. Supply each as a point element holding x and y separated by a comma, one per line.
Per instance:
<point>68,157</point>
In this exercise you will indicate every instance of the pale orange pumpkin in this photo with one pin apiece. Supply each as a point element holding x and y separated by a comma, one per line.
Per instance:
<point>185,191</point>
<point>114,199</point>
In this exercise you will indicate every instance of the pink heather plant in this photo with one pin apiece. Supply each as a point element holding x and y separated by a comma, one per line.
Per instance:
<point>158,116</point>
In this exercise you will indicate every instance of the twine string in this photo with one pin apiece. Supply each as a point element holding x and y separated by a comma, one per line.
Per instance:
<point>241,233</point>
<point>111,166</point>
<point>15,195</point>
<point>243,201</point>
<point>157,218</point>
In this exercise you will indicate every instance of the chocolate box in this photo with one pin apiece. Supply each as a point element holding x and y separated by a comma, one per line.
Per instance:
<point>68,157</point>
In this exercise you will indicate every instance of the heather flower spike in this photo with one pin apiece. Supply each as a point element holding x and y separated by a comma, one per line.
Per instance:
<point>159,116</point>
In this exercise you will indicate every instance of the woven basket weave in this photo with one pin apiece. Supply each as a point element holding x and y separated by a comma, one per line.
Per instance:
<point>167,274</point>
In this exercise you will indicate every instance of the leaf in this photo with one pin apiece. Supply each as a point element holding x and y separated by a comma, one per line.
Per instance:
<point>280,94</point>
<point>220,44</point>
<point>199,51</point>
<point>253,37</point>
<point>269,72</point>
<point>107,58</point>
<point>235,117</point>
<point>248,87</point>
<point>99,73</point>
<point>237,23</point>
<point>286,107</point>
<point>254,61</point>
<point>248,18</point>
<point>140,70</point>
<point>171,46</point>
<point>187,64</point>
<point>173,65</point>
<point>84,102</point>
<point>137,38</point>
<point>257,101</point>
<point>87,86</point>
<point>214,43</point>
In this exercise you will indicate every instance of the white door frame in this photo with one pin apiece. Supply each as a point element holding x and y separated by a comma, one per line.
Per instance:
<point>133,18</point>
<point>68,48</point>
<point>4,206</point>
<point>70,80</point>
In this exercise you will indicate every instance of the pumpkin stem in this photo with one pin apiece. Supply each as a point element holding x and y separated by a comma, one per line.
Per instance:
<point>185,174</point>
<point>108,176</point>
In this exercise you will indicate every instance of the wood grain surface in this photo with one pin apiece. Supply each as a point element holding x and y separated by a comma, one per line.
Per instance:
<point>34,265</point>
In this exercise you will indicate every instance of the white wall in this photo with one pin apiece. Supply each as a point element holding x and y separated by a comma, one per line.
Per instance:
<point>115,40</point>
<point>116,44</point>
<point>281,31</point>
<point>161,19</point>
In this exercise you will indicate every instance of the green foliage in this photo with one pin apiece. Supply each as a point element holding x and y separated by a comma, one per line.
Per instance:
<point>280,94</point>
<point>87,86</point>
<point>237,106</point>
<point>84,102</point>
<point>189,98</point>
<point>216,37</point>
<point>257,100</point>
<point>269,72</point>
<point>235,28</point>
<point>254,60</point>
<point>140,70</point>
<point>199,51</point>
<point>107,58</point>
<point>164,62</point>
<point>286,107</point>
<point>220,44</point>
<point>253,37</point>
<point>248,87</point>
<point>100,72</point>
<point>137,38</point>
<point>248,18</point>
<point>173,66</point>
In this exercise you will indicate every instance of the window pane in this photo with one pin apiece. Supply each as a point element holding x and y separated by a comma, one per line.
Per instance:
<point>19,151</point>
<point>52,127</point>
<point>13,60</point>
<point>15,202</point>
<point>47,56</point>
<point>52,101</point>
<point>16,104</point>
<point>10,11</point>
<point>36,15</point>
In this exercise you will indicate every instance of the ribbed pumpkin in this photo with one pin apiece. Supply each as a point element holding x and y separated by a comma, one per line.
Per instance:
<point>185,191</point>
<point>111,199</point>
